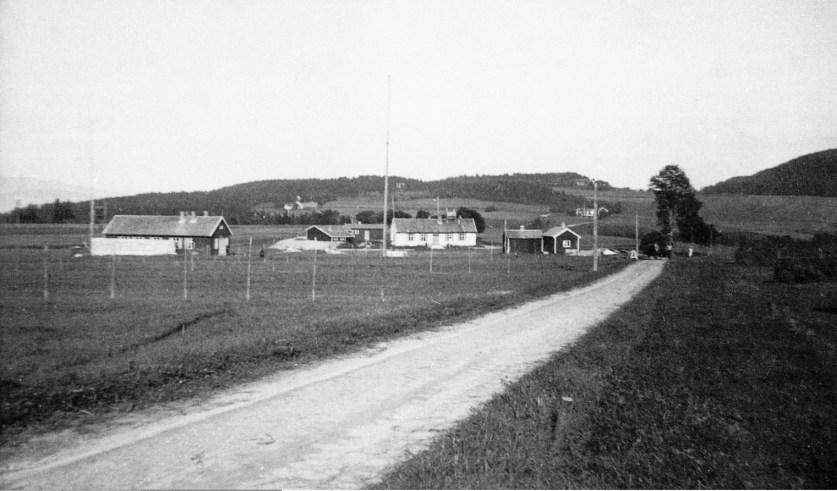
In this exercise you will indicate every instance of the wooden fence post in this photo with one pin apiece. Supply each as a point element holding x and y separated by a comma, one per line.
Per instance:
<point>46,273</point>
<point>113,276</point>
<point>185,284</point>
<point>249,262</point>
<point>314,279</point>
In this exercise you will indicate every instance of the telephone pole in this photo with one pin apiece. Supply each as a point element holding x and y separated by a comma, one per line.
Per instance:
<point>595,227</point>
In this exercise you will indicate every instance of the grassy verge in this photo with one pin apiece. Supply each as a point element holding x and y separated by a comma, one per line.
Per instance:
<point>716,377</point>
<point>116,335</point>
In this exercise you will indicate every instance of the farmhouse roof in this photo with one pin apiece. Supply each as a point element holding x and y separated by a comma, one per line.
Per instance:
<point>165,226</point>
<point>339,231</point>
<point>556,231</point>
<point>524,234</point>
<point>434,226</point>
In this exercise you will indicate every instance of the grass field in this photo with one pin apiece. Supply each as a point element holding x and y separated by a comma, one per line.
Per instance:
<point>118,332</point>
<point>717,377</point>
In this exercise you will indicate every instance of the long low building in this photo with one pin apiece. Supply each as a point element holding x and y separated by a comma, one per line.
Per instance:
<point>188,232</point>
<point>432,232</point>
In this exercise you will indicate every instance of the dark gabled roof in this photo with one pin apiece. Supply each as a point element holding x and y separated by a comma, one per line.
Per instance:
<point>524,234</point>
<point>339,231</point>
<point>556,231</point>
<point>433,226</point>
<point>164,226</point>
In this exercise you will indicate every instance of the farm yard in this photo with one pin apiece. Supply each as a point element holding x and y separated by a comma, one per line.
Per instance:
<point>83,335</point>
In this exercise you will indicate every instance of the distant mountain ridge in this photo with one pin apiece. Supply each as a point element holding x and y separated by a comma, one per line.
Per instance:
<point>814,174</point>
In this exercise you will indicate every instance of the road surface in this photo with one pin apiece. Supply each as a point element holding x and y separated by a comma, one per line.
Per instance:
<point>335,424</point>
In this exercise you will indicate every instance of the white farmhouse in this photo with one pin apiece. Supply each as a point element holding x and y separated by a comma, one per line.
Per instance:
<point>432,232</point>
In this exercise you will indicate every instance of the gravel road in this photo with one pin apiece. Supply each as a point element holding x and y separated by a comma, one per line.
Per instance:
<point>335,424</point>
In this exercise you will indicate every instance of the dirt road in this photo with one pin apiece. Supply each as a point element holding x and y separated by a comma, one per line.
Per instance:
<point>336,424</point>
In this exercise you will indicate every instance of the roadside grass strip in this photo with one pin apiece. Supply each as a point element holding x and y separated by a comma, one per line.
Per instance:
<point>713,377</point>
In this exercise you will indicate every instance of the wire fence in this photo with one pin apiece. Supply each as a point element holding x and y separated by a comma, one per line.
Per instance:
<point>55,276</point>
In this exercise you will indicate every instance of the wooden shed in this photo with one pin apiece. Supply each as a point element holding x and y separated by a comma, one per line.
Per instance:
<point>559,240</point>
<point>367,233</point>
<point>329,233</point>
<point>189,232</point>
<point>522,241</point>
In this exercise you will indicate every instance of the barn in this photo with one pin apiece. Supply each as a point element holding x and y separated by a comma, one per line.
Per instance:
<point>432,232</point>
<point>559,240</point>
<point>522,241</point>
<point>329,233</point>
<point>188,232</point>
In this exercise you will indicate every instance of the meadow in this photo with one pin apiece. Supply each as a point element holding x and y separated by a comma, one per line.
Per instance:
<point>715,377</point>
<point>87,335</point>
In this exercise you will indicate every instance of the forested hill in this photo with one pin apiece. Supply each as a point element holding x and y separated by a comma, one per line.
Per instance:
<point>814,174</point>
<point>240,203</point>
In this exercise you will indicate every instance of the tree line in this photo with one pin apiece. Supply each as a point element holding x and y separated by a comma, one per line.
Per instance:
<point>239,204</point>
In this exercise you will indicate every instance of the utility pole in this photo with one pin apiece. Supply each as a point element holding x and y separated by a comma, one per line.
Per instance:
<point>386,182</point>
<point>595,227</point>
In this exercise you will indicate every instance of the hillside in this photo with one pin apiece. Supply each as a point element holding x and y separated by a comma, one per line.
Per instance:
<point>814,174</point>
<point>262,201</point>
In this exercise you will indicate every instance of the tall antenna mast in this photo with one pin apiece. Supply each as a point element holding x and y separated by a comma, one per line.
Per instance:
<point>386,179</point>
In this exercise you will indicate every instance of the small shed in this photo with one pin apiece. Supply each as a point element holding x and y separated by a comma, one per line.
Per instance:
<point>559,240</point>
<point>188,231</point>
<point>329,233</point>
<point>522,241</point>
<point>367,233</point>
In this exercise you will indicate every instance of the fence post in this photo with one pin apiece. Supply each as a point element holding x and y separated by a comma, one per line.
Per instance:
<point>469,259</point>
<point>46,273</point>
<point>249,262</point>
<point>113,276</point>
<point>185,287</point>
<point>431,259</point>
<point>314,279</point>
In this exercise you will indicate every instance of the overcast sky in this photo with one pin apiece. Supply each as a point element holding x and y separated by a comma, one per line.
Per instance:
<point>140,96</point>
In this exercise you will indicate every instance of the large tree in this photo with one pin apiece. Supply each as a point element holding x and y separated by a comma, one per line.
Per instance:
<point>678,206</point>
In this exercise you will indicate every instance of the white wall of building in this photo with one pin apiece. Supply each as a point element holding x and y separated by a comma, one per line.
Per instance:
<point>131,247</point>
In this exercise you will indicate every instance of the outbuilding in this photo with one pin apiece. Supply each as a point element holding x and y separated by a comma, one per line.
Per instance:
<point>329,233</point>
<point>367,233</point>
<point>522,241</point>
<point>559,240</point>
<point>188,232</point>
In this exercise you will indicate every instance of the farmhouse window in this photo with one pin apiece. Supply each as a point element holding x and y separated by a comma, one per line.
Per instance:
<point>424,237</point>
<point>411,237</point>
<point>449,237</point>
<point>462,237</point>
<point>567,244</point>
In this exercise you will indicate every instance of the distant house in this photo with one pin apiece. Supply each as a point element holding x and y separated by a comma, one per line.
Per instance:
<point>367,233</point>
<point>432,232</point>
<point>589,212</point>
<point>300,205</point>
<point>560,240</point>
<point>330,233</point>
<point>188,232</point>
<point>522,241</point>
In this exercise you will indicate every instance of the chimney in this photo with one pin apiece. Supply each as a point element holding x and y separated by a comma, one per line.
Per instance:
<point>563,224</point>
<point>205,213</point>
<point>522,227</point>
<point>182,216</point>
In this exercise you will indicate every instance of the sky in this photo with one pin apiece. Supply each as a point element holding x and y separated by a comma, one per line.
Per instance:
<point>138,96</point>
